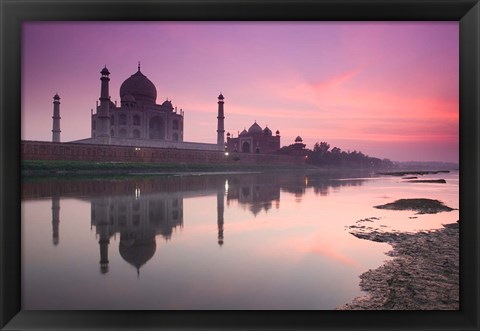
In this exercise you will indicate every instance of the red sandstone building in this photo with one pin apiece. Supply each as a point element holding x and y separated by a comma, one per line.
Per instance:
<point>255,140</point>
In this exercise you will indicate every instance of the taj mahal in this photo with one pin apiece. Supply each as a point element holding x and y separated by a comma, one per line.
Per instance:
<point>140,122</point>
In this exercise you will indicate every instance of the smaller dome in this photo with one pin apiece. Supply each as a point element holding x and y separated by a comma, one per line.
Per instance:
<point>56,96</point>
<point>255,128</point>
<point>128,98</point>
<point>298,139</point>
<point>228,134</point>
<point>220,97</point>
<point>244,132</point>
<point>267,131</point>
<point>277,133</point>
<point>105,71</point>
<point>167,104</point>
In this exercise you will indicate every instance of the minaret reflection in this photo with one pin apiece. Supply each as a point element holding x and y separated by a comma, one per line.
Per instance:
<point>138,219</point>
<point>220,211</point>
<point>55,219</point>
<point>103,230</point>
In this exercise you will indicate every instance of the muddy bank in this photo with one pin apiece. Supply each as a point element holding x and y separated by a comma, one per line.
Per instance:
<point>415,172</point>
<point>436,181</point>
<point>423,275</point>
<point>422,206</point>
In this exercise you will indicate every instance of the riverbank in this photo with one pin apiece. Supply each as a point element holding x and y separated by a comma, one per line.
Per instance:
<point>423,274</point>
<point>50,168</point>
<point>75,168</point>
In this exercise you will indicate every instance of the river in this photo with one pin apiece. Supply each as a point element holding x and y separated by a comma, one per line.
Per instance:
<point>224,241</point>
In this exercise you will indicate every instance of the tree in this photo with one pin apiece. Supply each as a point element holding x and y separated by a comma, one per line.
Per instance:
<point>321,155</point>
<point>321,148</point>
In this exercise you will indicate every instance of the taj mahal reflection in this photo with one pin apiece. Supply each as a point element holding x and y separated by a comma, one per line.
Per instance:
<point>141,211</point>
<point>138,219</point>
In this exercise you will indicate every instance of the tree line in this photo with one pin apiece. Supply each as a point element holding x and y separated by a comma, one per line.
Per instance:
<point>323,156</point>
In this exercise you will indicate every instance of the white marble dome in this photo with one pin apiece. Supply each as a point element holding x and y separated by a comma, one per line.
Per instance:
<point>140,87</point>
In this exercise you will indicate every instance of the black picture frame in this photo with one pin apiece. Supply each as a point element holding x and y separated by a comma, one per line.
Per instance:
<point>14,12</point>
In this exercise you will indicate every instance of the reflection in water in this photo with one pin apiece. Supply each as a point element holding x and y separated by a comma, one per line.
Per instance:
<point>138,219</point>
<point>220,211</point>
<point>255,192</point>
<point>55,219</point>
<point>226,241</point>
<point>140,210</point>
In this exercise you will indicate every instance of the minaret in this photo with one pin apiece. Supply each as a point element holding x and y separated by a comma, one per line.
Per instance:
<point>55,219</point>
<point>220,127</point>
<point>220,209</point>
<point>103,124</point>
<point>56,119</point>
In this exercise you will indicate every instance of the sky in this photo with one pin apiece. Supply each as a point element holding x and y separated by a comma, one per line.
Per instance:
<point>387,89</point>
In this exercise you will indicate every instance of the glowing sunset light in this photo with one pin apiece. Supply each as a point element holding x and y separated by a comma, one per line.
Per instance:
<point>387,89</point>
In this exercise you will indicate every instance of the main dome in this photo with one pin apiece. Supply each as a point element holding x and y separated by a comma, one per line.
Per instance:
<point>140,87</point>
<point>137,252</point>
<point>255,128</point>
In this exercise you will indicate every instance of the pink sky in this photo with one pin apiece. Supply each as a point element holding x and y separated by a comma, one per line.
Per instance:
<point>388,89</point>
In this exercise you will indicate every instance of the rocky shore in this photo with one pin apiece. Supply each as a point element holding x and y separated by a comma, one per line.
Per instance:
<point>423,274</point>
<point>421,206</point>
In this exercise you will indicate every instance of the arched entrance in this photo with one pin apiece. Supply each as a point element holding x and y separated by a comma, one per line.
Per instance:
<point>156,128</point>
<point>246,147</point>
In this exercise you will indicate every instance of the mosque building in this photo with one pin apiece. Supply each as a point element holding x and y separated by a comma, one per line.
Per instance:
<point>255,140</point>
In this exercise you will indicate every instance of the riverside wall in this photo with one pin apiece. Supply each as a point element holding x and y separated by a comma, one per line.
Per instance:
<point>116,141</point>
<point>51,151</point>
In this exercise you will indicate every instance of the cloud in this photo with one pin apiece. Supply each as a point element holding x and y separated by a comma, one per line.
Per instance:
<point>336,81</point>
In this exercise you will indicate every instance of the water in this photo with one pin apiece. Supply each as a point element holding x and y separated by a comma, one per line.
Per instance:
<point>251,241</point>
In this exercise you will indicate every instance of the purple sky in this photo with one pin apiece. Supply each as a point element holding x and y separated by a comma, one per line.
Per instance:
<point>388,89</point>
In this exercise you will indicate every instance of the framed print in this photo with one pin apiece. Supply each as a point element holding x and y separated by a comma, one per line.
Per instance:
<point>240,165</point>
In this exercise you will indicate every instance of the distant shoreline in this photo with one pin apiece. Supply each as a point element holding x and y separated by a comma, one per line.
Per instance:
<point>423,275</point>
<point>67,169</point>
<point>59,168</point>
<point>30,168</point>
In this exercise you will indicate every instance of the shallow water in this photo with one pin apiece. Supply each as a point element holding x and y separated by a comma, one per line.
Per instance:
<point>252,241</point>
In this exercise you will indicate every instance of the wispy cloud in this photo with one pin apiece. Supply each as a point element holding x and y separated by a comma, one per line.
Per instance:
<point>335,82</point>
